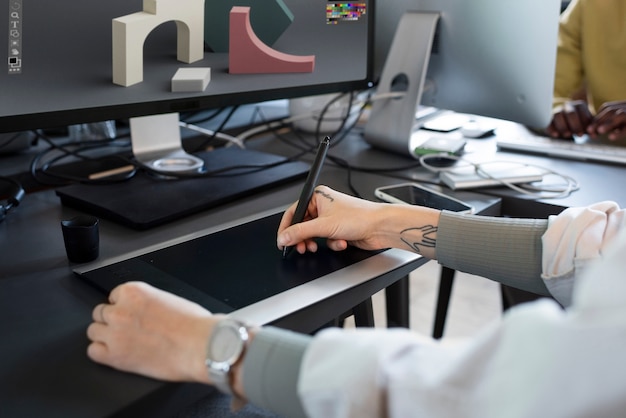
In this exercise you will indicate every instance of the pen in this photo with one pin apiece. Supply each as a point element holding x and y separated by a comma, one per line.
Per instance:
<point>309,186</point>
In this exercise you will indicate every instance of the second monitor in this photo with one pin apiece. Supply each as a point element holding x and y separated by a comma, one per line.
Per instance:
<point>493,58</point>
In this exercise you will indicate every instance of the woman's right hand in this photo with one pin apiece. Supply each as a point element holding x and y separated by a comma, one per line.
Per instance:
<point>345,220</point>
<point>338,217</point>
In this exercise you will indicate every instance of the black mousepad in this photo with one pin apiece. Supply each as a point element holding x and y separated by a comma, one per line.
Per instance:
<point>229,269</point>
<point>146,201</point>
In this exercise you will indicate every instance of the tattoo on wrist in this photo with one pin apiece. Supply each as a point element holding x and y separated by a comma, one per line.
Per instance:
<point>326,195</point>
<point>425,237</point>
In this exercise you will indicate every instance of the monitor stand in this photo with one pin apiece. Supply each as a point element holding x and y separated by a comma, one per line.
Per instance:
<point>392,118</point>
<point>156,143</point>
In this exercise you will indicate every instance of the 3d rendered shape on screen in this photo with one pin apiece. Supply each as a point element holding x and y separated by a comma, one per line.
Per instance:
<point>248,54</point>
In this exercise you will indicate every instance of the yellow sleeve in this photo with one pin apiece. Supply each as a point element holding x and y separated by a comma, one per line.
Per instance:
<point>569,64</point>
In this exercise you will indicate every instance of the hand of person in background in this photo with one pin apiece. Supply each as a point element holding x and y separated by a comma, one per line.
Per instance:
<point>610,121</point>
<point>571,118</point>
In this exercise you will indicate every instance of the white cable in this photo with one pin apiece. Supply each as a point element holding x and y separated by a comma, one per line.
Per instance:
<point>528,189</point>
<point>229,138</point>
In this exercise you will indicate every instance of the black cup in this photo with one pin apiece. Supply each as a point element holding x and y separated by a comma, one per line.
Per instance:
<point>81,237</point>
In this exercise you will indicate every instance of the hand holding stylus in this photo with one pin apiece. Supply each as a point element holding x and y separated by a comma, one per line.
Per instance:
<point>344,220</point>
<point>309,186</point>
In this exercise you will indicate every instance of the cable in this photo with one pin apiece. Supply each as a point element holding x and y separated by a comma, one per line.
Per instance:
<point>213,134</point>
<point>318,114</point>
<point>337,137</point>
<point>220,128</point>
<point>15,193</point>
<point>343,120</point>
<point>206,118</point>
<point>7,140</point>
<point>537,192</point>
<point>77,150</point>
<point>39,166</point>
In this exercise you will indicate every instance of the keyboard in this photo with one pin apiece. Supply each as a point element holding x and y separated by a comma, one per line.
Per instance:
<point>592,151</point>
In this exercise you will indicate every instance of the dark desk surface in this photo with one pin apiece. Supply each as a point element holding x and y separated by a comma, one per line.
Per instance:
<point>45,308</point>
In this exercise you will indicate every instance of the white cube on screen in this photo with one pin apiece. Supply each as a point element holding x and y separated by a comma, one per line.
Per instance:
<point>191,79</point>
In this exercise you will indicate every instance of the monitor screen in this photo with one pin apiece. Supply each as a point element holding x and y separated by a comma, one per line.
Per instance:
<point>58,57</point>
<point>492,58</point>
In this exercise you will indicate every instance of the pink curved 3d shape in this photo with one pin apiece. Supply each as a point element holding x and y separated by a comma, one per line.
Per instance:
<point>249,55</point>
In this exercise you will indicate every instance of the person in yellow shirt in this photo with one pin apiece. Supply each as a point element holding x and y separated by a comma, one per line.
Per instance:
<point>590,80</point>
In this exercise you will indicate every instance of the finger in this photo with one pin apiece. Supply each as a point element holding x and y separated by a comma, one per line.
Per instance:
<point>608,122</point>
<point>619,133</point>
<point>572,120</point>
<point>559,126</point>
<point>311,246</point>
<point>98,352</point>
<point>129,288</point>
<point>337,244</point>
<point>579,125</point>
<point>577,117</point>
<point>301,232</point>
<point>95,331</point>
<point>114,294</point>
<point>606,113</point>
<point>98,313</point>
<point>285,220</point>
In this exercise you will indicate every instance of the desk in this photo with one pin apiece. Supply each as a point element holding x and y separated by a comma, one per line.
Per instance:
<point>45,309</point>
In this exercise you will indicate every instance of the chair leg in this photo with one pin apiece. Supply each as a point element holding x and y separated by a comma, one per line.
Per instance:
<point>512,296</point>
<point>397,299</point>
<point>446,281</point>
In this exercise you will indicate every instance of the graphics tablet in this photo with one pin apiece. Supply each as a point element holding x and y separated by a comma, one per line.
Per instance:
<point>227,270</point>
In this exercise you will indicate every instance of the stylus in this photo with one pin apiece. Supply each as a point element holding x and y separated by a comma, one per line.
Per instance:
<point>309,185</point>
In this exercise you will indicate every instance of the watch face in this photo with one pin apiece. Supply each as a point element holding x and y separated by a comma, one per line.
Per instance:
<point>226,345</point>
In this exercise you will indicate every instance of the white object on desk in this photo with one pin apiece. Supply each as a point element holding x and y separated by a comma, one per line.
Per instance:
<point>591,150</point>
<point>495,174</point>
<point>476,129</point>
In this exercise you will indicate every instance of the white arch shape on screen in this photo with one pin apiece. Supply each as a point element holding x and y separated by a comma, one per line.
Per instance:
<point>130,32</point>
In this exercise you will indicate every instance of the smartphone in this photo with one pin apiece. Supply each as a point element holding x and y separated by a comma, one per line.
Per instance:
<point>416,194</point>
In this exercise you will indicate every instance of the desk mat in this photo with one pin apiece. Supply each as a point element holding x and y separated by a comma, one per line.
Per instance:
<point>146,201</point>
<point>229,269</point>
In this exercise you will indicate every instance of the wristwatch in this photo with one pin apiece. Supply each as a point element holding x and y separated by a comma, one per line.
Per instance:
<point>227,344</point>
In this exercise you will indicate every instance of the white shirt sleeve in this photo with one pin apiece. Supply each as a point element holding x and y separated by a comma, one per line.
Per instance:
<point>574,238</point>
<point>539,361</point>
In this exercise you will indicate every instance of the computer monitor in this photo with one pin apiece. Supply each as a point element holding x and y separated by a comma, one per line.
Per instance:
<point>58,58</point>
<point>493,58</point>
